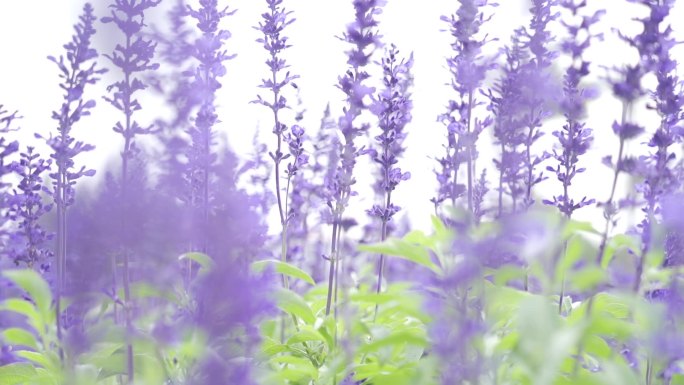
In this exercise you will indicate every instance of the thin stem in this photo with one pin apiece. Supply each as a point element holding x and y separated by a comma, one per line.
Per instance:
<point>609,202</point>
<point>333,257</point>
<point>469,149</point>
<point>124,222</point>
<point>501,178</point>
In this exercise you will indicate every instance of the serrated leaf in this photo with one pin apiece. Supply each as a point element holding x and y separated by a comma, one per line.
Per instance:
<point>284,268</point>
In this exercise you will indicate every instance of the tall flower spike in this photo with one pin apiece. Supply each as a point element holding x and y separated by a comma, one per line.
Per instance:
<point>362,35</point>
<point>574,138</point>
<point>77,71</point>
<point>132,58</point>
<point>507,106</point>
<point>655,44</point>
<point>538,86</point>
<point>392,106</point>
<point>30,242</point>
<point>274,41</point>
<point>202,158</point>
<point>7,148</point>
<point>468,69</point>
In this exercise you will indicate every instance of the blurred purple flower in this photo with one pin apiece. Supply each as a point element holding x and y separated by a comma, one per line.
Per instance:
<point>202,158</point>
<point>468,69</point>
<point>7,148</point>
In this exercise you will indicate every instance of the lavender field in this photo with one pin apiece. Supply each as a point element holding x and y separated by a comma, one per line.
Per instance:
<point>522,226</point>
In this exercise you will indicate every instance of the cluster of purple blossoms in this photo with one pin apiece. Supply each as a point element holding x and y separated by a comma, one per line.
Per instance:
<point>468,69</point>
<point>393,107</point>
<point>200,171</point>
<point>574,138</point>
<point>657,168</point>
<point>133,58</point>
<point>275,42</point>
<point>29,244</point>
<point>519,103</point>
<point>363,36</point>
<point>7,148</point>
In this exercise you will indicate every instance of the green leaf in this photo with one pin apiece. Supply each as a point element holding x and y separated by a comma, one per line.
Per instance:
<point>284,268</point>
<point>615,243</point>
<point>597,347</point>
<point>16,374</point>
<point>295,369</point>
<point>36,287</point>
<point>26,308</point>
<point>18,336</point>
<point>38,358</point>
<point>290,302</point>
<point>206,262</point>
<point>271,347</point>
<point>402,249</point>
<point>306,333</point>
<point>410,336</point>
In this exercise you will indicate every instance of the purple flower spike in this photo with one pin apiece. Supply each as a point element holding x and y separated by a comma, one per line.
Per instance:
<point>657,167</point>
<point>362,35</point>
<point>468,69</point>
<point>574,139</point>
<point>133,58</point>
<point>30,242</point>
<point>7,148</point>
<point>202,158</point>
<point>77,70</point>
<point>519,103</point>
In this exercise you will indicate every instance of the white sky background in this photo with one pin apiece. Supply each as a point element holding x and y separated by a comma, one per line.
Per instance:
<point>32,29</point>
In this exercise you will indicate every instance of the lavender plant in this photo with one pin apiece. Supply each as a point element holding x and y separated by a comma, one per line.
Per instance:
<point>132,57</point>
<point>468,302</point>
<point>392,106</point>
<point>77,71</point>
<point>201,157</point>
<point>468,69</point>
<point>274,41</point>
<point>7,148</point>
<point>362,35</point>
<point>655,45</point>
<point>574,139</point>
<point>29,242</point>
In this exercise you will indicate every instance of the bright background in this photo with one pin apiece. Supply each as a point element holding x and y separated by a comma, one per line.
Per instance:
<point>31,30</point>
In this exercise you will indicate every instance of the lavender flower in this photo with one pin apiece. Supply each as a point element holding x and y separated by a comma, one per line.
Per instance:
<point>654,45</point>
<point>29,243</point>
<point>362,35</point>
<point>506,104</point>
<point>392,106</point>
<point>574,138</point>
<point>132,58</point>
<point>538,39</point>
<point>275,42</point>
<point>205,82</point>
<point>468,69</point>
<point>77,72</point>
<point>7,148</point>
